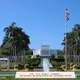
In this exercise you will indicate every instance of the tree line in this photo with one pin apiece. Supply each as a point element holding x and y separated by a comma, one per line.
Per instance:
<point>15,46</point>
<point>72,44</point>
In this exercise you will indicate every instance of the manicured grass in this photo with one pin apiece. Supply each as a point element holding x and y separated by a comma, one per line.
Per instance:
<point>77,79</point>
<point>12,78</point>
<point>45,79</point>
<point>8,71</point>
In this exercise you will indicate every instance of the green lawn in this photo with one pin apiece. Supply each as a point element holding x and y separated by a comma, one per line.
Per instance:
<point>12,78</point>
<point>7,71</point>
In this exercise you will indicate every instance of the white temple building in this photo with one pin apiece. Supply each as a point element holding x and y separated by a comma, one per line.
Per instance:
<point>41,49</point>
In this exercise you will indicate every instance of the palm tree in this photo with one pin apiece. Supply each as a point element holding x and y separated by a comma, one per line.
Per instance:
<point>73,44</point>
<point>17,38</point>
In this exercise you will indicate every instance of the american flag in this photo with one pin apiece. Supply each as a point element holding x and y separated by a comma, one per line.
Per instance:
<point>67,15</point>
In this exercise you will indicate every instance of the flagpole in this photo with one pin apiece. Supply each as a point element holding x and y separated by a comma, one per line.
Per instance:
<point>65,35</point>
<point>65,45</point>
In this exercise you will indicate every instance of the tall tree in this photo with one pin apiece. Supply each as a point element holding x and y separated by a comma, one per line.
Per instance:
<point>73,44</point>
<point>15,40</point>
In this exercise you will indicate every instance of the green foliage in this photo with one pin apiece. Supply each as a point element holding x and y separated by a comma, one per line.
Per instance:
<point>28,52</point>
<point>60,53</point>
<point>20,66</point>
<point>31,63</point>
<point>73,42</point>
<point>57,65</point>
<point>15,39</point>
<point>15,43</point>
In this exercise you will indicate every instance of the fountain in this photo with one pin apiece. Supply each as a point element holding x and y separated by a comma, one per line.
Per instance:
<point>45,56</point>
<point>45,65</point>
<point>44,52</point>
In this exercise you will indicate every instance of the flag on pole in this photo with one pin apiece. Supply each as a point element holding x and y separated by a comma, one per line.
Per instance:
<point>67,15</point>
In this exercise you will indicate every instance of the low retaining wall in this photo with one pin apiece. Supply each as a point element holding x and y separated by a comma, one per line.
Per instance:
<point>45,75</point>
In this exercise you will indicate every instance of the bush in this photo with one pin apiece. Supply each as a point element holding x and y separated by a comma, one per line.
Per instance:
<point>20,66</point>
<point>57,65</point>
<point>32,63</point>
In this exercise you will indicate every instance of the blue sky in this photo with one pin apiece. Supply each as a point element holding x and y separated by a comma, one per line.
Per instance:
<point>42,20</point>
